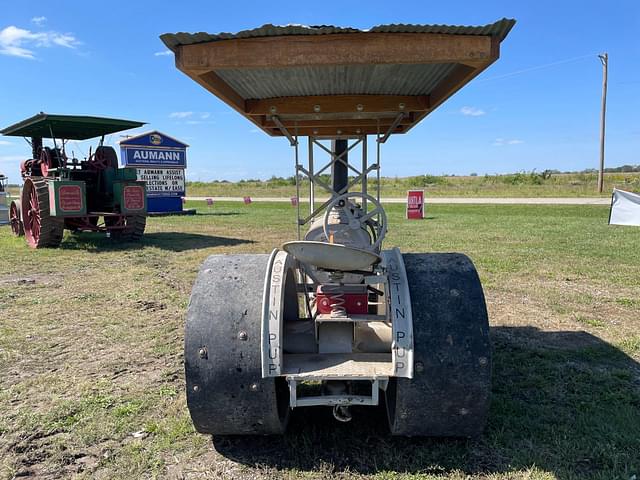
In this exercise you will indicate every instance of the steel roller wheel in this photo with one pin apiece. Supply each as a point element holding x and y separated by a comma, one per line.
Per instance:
<point>450,392</point>
<point>133,230</point>
<point>15,217</point>
<point>40,228</point>
<point>226,393</point>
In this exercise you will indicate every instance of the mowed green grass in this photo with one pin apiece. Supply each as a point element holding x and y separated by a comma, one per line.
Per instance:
<point>91,371</point>
<point>523,184</point>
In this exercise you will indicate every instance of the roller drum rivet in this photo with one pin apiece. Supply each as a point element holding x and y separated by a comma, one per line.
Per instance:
<point>196,388</point>
<point>242,335</point>
<point>253,387</point>
<point>202,352</point>
<point>419,367</point>
<point>483,361</point>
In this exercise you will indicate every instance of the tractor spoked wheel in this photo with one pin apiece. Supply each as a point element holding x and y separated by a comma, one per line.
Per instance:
<point>40,228</point>
<point>226,393</point>
<point>450,391</point>
<point>15,217</point>
<point>133,230</point>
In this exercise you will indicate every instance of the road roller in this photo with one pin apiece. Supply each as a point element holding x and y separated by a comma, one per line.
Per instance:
<point>333,319</point>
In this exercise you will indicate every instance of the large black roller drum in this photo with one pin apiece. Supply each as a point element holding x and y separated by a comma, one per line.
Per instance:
<point>226,393</point>
<point>450,392</point>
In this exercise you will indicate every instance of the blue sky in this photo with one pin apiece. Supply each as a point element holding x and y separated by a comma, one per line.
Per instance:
<point>537,107</point>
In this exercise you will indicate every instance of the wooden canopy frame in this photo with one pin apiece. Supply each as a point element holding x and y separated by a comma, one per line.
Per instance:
<point>337,115</point>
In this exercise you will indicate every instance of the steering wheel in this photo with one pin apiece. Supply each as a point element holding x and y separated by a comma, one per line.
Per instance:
<point>356,223</point>
<point>97,161</point>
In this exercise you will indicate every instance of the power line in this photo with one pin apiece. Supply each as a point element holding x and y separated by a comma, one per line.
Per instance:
<point>537,67</point>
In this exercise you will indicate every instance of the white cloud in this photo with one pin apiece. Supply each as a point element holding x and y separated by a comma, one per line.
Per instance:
<point>14,41</point>
<point>163,53</point>
<point>180,114</point>
<point>205,115</point>
<point>4,142</point>
<point>472,111</point>
<point>499,142</point>
<point>39,20</point>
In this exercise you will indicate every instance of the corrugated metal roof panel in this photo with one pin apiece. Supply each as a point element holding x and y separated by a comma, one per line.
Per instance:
<point>497,29</point>
<point>261,83</point>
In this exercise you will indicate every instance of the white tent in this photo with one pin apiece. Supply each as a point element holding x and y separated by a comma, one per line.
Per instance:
<point>625,208</point>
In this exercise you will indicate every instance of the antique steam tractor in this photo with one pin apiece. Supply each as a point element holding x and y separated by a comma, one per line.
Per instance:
<point>61,192</point>
<point>333,319</point>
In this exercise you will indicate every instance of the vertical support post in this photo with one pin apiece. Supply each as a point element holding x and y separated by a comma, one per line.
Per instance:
<point>311,173</point>
<point>339,169</point>
<point>297,172</point>
<point>604,58</point>
<point>378,168</point>
<point>36,146</point>
<point>365,163</point>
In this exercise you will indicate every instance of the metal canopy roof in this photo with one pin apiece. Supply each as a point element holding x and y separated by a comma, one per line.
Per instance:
<point>333,81</point>
<point>68,127</point>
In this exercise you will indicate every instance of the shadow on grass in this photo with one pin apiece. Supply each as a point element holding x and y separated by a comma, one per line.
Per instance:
<point>171,241</point>
<point>566,403</point>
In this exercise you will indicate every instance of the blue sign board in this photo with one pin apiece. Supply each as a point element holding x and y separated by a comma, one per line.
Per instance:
<point>153,149</point>
<point>146,156</point>
<point>160,161</point>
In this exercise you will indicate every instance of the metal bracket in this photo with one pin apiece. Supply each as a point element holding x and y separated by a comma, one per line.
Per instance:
<point>400,313</point>
<point>392,127</point>
<point>283,129</point>
<point>272,312</point>
<point>332,400</point>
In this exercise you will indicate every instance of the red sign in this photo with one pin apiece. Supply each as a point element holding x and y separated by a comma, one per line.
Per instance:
<point>209,201</point>
<point>415,204</point>
<point>133,198</point>
<point>70,198</point>
<point>247,200</point>
<point>294,201</point>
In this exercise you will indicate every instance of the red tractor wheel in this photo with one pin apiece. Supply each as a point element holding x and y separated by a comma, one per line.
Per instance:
<point>15,217</point>
<point>40,228</point>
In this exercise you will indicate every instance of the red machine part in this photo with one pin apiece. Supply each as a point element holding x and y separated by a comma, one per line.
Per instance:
<point>133,197</point>
<point>353,302</point>
<point>40,228</point>
<point>15,217</point>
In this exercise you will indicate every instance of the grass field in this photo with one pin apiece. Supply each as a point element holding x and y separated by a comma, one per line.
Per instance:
<point>530,184</point>
<point>91,372</point>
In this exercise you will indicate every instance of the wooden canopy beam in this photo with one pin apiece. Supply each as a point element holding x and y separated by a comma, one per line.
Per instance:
<point>337,123</point>
<point>336,132</point>
<point>331,104</point>
<point>336,49</point>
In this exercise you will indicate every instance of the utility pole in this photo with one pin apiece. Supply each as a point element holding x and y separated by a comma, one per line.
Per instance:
<point>604,59</point>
